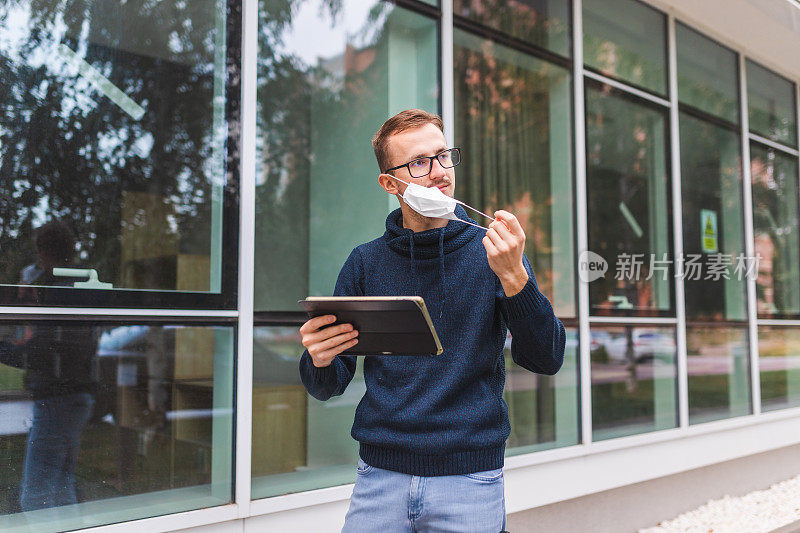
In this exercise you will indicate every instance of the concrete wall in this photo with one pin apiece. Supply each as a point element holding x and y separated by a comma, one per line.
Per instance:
<point>640,505</point>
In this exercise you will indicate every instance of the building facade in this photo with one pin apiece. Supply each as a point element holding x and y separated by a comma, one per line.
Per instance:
<point>175,176</point>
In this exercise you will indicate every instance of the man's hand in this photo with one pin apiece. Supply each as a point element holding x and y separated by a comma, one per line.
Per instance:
<point>505,243</point>
<point>325,344</point>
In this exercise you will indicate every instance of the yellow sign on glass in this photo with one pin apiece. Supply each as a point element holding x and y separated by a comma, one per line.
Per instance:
<point>709,236</point>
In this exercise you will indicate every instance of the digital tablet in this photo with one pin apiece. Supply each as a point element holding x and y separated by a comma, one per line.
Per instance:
<point>386,325</point>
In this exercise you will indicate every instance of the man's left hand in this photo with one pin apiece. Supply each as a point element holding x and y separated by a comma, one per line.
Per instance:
<point>505,243</point>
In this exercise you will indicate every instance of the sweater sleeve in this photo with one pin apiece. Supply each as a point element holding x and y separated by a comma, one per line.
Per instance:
<point>537,335</point>
<point>332,380</point>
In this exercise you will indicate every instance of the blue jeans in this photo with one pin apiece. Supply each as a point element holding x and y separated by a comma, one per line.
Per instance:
<point>390,502</point>
<point>53,444</point>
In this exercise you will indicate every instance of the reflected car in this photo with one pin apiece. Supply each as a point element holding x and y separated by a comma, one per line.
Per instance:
<point>598,340</point>
<point>648,345</point>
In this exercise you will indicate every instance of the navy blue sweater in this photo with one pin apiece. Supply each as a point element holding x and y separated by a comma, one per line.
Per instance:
<point>444,415</point>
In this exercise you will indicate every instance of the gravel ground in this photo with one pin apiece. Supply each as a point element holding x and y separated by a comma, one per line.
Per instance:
<point>758,512</point>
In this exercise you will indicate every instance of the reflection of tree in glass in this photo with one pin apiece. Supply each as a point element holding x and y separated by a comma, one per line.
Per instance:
<point>504,114</point>
<point>624,63</point>
<point>708,98</point>
<point>68,151</point>
<point>775,220</point>
<point>622,172</point>
<point>540,22</point>
<point>313,115</point>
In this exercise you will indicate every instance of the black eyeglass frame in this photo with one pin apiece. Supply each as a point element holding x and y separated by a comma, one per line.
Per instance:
<point>430,159</point>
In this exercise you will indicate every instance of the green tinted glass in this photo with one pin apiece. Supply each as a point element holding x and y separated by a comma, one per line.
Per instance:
<point>779,366</point>
<point>713,221</point>
<point>299,443</point>
<point>107,423</point>
<point>626,39</point>
<point>513,116</point>
<point>707,74</point>
<point>775,225</point>
<point>113,123</point>
<point>544,23</point>
<point>327,79</point>
<point>628,215</point>
<point>771,105</point>
<point>718,365</point>
<point>633,380</point>
<point>543,410</point>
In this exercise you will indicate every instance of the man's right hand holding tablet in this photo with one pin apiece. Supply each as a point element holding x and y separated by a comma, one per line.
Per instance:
<point>324,343</point>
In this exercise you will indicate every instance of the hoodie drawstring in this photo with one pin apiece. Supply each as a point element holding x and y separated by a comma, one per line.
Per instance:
<point>441,262</point>
<point>455,235</point>
<point>413,265</point>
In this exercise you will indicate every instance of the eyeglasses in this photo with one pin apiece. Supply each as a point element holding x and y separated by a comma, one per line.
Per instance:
<point>423,166</point>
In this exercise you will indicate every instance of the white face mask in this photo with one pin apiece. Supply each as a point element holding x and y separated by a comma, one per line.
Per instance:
<point>431,202</point>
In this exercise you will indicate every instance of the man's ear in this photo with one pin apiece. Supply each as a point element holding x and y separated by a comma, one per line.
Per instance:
<point>389,184</point>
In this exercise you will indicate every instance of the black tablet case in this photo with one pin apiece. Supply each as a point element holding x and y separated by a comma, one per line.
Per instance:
<point>385,325</point>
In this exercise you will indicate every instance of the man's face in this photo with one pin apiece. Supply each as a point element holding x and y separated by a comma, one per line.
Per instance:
<point>427,140</point>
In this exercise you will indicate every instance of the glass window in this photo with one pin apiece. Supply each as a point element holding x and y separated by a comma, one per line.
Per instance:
<point>713,223</point>
<point>633,380</point>
<point>708,75</point>
<point>113,136</point>
<point>718,365</point>
<point>626,39</point>
<point>299,443</point>
<point>543,410</point>
<point>775,226</point>
<point>543,23</point>
<point>628,217</point>
<point>779,364</point>
<point>327,79</point>
<point>513,124</point>
<point>109,423</point>
<point>771,105</point>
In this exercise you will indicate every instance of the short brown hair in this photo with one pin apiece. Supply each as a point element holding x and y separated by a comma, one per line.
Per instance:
<point>403,121</point>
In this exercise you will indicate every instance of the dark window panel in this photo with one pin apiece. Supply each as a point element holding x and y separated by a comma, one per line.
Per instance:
<point>138,416</point>
<point>114,143</point>
<point>626,40</point>
<point>708,74</point>
<point>629,204</point>
<point>771,105</point>
<point>634,387</point>
<point>776,231</point>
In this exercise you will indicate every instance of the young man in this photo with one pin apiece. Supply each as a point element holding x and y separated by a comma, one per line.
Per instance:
<point>432,430</point>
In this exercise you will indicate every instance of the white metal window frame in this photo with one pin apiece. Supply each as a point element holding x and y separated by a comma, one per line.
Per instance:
<point>247,221</point>
<point>610,459</point>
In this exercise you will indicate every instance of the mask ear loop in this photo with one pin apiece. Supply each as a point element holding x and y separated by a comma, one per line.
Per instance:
<point>468,207</point>
<point>484,214</point>
<point>471,224</point>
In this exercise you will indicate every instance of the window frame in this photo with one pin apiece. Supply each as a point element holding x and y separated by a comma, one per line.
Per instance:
<point>227,298</point>
<point>700,113</point>
<point>667,74</point>
<point>757,142</point>
<point>495,37</point>
<point>795,103</point>
<point>713,120</point>
<point>671,313</point>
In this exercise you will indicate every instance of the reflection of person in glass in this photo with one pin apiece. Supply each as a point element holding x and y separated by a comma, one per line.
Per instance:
<point>58,361</point>
<point>432,430</point>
